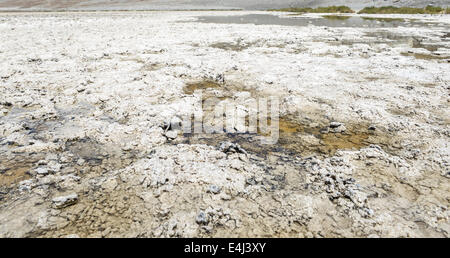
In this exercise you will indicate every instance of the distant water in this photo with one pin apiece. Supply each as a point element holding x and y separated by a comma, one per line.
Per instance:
<point>329,21</point>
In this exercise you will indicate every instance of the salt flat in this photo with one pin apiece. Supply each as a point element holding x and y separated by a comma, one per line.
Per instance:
<point>87,99</point>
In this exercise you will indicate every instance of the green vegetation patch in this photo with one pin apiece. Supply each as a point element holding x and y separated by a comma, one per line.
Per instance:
<point>404,10</point>
<point>336,17</point>
<point>329,9</point>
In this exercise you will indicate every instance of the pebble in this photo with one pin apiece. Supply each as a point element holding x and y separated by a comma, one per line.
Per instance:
<point>229,147</point>
<point>80,162</point>
<point>110,184</point>
<point>72,236</point>
<point>337,127</point>
<point>171,134</point>
<point>335,124</point>
<point>214,189</point>
<point>41,171</point>
<point>202,218</point>
<point>64,201</point>
<point>175,123</point>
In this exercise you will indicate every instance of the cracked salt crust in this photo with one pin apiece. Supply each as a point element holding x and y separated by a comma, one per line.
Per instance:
<point>92,91</point>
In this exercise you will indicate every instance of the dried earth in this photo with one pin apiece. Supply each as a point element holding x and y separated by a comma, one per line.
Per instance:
<point>87,150</point>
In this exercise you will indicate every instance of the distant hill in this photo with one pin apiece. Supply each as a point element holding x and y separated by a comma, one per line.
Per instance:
<point>199,4</point>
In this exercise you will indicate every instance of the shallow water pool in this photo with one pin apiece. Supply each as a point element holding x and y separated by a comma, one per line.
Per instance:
<point>325,20</point>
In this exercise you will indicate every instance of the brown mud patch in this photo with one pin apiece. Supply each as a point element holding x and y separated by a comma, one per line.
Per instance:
<point>298,135</point>
<point>16,169</point>
<point>12,175</point>
<point>316,138</point>
<point>426,56</point>
<point>153,66</point>
<point>212,92</point>
<point>299,139</point>
<point>220,90</point>
<point>97,156</point>
<point>233,46</point>
<point>191,87</point>
<point>100,214</point>
<point>133,59</point>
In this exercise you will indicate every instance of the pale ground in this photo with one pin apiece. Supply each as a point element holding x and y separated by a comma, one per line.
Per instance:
<point>85,99</point>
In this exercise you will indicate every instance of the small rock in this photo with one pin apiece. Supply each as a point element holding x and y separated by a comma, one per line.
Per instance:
<point>325,130</point>
<point>80,89</point>
<point>110,184</point>
<point>54,166</point>
<point>225,197</point>
<point>366,212</point>
<point>80,162</point>
<point>41,171</point>
<point>72,236</point>
<point>214,189</point>
<point>175,123</point>
<point>313,125</point>
<point>34,60</point>
<point>268,81</point>
<point>127,147</point>
<point>220,78</point>
<point>372,128</point>
<point>337,127</point>
<point>236,164</point>
<point>242,95</point>
<point>251,181</point>
<point>25,185</point>
<point>6,104</point>
<point>64,201</point>
<point>171,134</point>
<point>202,218</point>
<point>42,162</point>
<point>164,211</point>
<point>335,124</point>
<point>229,147</point>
